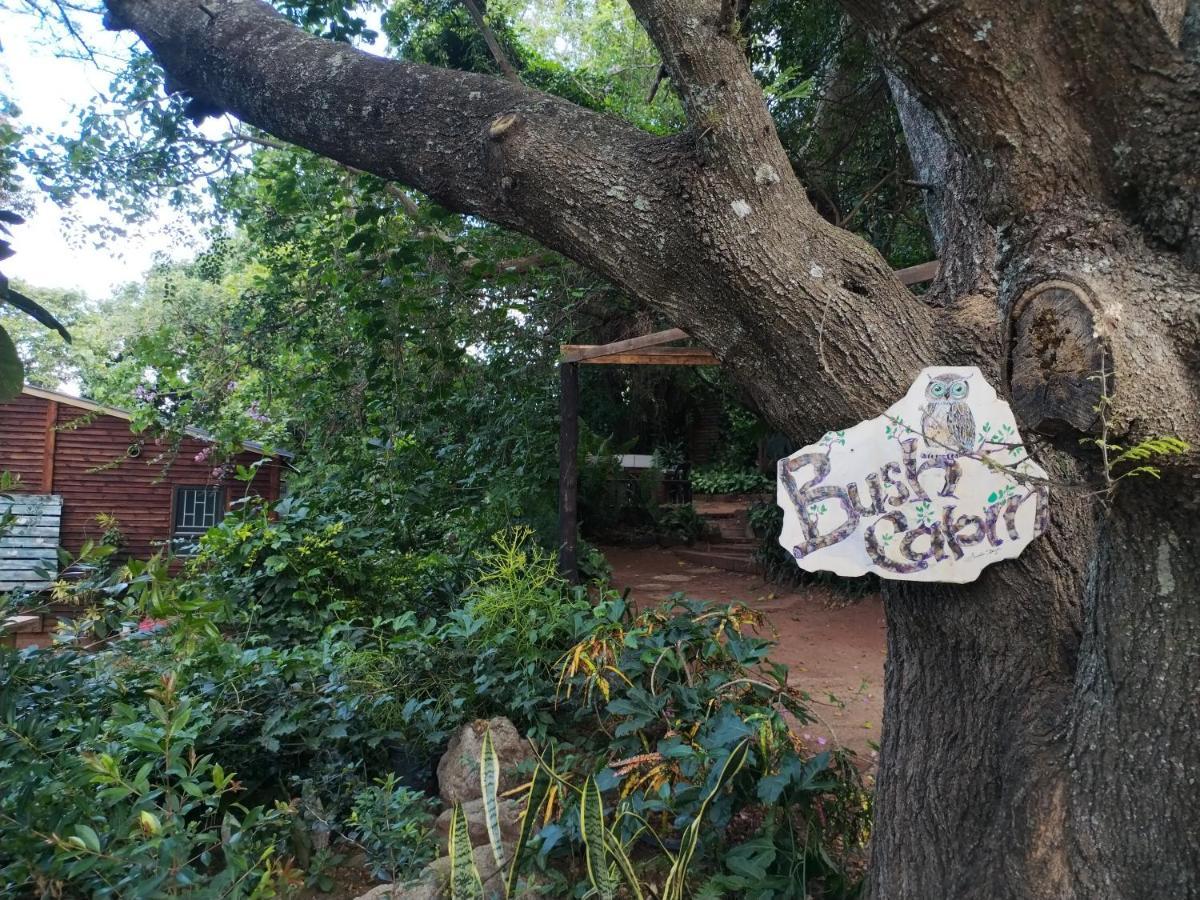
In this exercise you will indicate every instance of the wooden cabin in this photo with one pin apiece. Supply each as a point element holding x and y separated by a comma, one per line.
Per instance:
<point>77,462</point>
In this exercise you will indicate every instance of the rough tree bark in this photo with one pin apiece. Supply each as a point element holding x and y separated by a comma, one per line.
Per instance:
<point>1039,735</point>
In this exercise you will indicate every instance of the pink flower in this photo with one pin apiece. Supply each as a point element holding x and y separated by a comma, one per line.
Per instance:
<point>204,454</point>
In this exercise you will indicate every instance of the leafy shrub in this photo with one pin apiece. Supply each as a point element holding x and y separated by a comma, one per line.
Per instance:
<point>600,488</point>
<point>517,589</point>
<point>110,798</point>
<point>294,571</point>
<point>593,565</point>
<point>393,825</point>
<point>679,688</point>
<point>698,785</point>
<point>680,522</point>
<point>425,677</point>
<point>729,481</point>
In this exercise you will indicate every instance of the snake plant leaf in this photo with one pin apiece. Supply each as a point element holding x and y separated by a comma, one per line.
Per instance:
<point>465,883</point>
<point>673,888</point>
<point>623,863</point>
<point>539,788</point>
<point>595,851</point>
<point>489,783</point>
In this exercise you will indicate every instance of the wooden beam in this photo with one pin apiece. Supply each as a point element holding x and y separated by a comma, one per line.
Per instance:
<point>580,352</point>
<point>657,356</point>
<point>621,352</point>
<point>926,271</point>
<point>47,486</point>
<point>568,472</point>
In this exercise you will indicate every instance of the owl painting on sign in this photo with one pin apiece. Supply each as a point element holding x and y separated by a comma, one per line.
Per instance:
<point>947,422</point>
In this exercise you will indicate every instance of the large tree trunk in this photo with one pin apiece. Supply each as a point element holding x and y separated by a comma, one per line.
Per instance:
<point>1040,724</point>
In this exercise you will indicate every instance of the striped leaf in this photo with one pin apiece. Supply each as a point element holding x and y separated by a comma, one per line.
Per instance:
<point>539,789</point>
<point>626,867</point>
<point>465,883</point>
<point>489,783</point>
<point>673,889</point>
<point>591,827</point>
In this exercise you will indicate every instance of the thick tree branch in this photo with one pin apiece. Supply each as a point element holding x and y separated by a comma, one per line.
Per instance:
<point>709,228</point>
<point>474,143</point>
<point>961,238</point>
<point>1057,100</point>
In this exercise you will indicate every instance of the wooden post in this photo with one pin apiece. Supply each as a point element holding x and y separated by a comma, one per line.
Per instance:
<point>48,446</point>
<point>568,471</point>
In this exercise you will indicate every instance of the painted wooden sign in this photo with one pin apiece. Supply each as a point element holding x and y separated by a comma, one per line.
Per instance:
<point>935,489</point>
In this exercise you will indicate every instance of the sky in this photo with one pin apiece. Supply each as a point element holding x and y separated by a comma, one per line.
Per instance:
<point>48,88</point>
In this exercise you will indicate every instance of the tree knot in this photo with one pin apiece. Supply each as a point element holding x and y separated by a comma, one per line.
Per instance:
<point>502,126</point>
<point>1058,357</point>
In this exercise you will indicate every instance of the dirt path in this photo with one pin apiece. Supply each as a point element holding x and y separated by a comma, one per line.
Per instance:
<point>831,647</point>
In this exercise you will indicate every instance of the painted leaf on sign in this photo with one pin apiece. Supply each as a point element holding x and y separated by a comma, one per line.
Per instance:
<point>935,489</point>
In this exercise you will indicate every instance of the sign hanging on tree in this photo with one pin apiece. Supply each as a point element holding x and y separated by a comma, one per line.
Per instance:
<point>935,489</point>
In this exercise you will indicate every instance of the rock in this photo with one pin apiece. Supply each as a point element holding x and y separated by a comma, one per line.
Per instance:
<point>458,769</point>
<point>434,881</point>
<point>432,884</point>
<point>379,892</point>
<point>436,876</point>
<point>510,822</point>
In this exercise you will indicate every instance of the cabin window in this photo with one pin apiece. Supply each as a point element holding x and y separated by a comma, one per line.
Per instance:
<point>197,509</point>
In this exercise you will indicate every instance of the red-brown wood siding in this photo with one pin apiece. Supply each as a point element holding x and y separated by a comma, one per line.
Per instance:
<point>94,473</point>
<point>22,437</point>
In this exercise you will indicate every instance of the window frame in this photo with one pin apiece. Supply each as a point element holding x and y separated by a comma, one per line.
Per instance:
<point>192,534</point>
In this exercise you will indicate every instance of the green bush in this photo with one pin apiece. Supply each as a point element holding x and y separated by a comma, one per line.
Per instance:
<point>680,522</point>
<point>729,481</point>
<point>394,827</point>
<point>517,589</point>
<point>293,571</point>
<point>105,790</point>
<point>674,691</point>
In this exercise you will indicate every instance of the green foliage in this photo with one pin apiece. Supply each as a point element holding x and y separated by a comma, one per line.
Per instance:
<point>315,716</point>
<point>1121,462</point>
<point>517,590</point>
<point>679,688</point>
<point>680,522</point>
<point>1128,462</point>
<point>113,798</point>
<point>394,826</point>
<point>601,491</point>
<point>12,372</point>
<point>12,369</point>
<point>293,574</point>
<point>729,481</point>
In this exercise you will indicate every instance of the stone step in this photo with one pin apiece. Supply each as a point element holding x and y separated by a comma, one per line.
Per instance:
<point>728,545</point>
<point>730,562</point>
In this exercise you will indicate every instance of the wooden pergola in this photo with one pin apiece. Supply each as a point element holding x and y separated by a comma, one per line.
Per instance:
<point>646,350</point>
